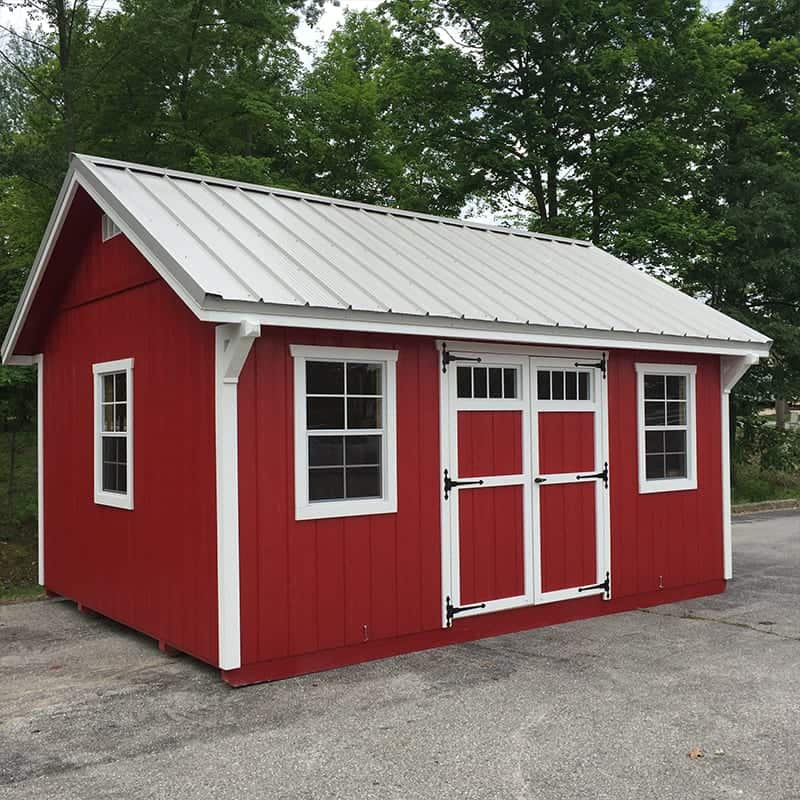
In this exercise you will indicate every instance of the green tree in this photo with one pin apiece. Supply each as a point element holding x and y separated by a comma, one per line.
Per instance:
<point>386,119</point>
<point>581,133</point>
<point>751,188</point>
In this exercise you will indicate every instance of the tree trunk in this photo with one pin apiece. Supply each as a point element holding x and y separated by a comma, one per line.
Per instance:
<point>64,22</point>
<point>552,188</point>
<point>595,192</point>
<point>780,413</point>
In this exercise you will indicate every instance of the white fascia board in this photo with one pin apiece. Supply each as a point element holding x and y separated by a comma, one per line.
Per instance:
<point>220,311</point>
<point>81,174</point>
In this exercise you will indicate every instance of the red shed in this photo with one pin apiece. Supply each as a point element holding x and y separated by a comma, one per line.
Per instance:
<point>284,433</point>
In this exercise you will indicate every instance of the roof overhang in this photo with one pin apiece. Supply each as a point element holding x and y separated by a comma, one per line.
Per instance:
<point>221,311</point>
<point>212,308</point>
<point>79,176</point>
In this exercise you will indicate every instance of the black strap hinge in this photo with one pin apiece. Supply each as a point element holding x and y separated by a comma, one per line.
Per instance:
<point>602,475</point>
<point>601,365</point>
<point>605,586</point>
<point>449,483</point>
<point>453,610</point>
<point>447,357</point>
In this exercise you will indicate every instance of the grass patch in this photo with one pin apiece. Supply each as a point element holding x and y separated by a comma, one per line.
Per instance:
<point>18,535</point>
<point>756,484</point>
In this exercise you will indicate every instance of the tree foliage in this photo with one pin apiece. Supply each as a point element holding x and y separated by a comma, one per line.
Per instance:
<point>666,134</point>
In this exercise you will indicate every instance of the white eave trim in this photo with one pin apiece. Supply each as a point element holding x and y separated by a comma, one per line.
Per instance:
<point>215,310</point>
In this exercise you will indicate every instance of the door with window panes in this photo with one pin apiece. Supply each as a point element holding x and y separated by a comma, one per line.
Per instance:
<point>487,486</point>
<point>570,485</point>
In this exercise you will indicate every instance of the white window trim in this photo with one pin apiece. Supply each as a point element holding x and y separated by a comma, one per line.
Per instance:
<point>325,509</point>
<point>114,499</point>
<point>668,484</point>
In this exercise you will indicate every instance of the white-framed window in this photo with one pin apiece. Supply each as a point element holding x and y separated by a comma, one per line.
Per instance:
<point>666,427</point>
<point>345,431</point>
<point>113,433</point>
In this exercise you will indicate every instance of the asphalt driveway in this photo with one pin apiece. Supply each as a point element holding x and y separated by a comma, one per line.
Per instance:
<point>603,708</point>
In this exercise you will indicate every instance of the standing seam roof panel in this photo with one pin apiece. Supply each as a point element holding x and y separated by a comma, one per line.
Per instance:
<point>463,274</point>
<point>518,272</point>
<point>303,242</point>
<point>246,243</point>
<point>389,279</point>
<point>422,295</point>
<point>171,234</point>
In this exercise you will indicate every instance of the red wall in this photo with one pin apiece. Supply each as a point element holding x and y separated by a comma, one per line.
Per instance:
<point>311,586</point>
<point>314,584</point>
<point>676,535</point>
<point>153,568</point>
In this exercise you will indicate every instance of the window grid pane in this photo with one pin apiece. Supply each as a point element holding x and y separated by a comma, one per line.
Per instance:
<point>560,384</point>
<point>484,382</point>
<point>666,426</point>
<point>345,462</point>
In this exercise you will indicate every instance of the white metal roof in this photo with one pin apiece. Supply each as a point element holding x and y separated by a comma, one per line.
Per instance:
<point>235,250</point>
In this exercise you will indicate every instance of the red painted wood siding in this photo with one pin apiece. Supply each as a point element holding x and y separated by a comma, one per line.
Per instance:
<point>316,584</point>
<point>489,443</point>
<point>491,543</point>
<point>153,568</point>
<point>673,535</point>
<point>568,535</point>
<point>566,441</point>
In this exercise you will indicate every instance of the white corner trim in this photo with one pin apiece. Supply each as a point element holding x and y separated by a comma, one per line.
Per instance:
<point>732,369</point>
<point>387,503</point>
<point>101,497</point>
<point>668,484</point>
<point>233,344</point>
<point>39,361</point>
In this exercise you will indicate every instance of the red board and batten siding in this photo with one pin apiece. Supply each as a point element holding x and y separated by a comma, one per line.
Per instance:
<point>672,537</point>
<point>153,568</point>
<point>315,585</point>
<point>308,588</point>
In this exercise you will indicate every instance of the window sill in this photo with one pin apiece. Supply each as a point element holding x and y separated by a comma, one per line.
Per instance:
<point>123,501</point>
<point>327,509</point>
<point>674,485</point>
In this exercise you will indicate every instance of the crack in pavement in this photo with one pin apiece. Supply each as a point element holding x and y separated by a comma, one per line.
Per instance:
<point>731,623</point>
